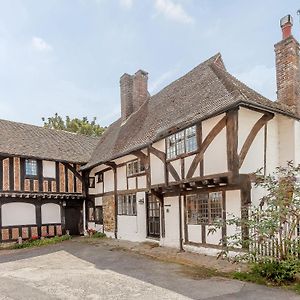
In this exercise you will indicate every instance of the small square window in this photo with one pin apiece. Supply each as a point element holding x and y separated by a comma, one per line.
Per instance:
<point>31,167</point>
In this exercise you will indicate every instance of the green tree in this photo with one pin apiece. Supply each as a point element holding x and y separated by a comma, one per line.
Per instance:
<point>83,126</point>
<point>271,227</point>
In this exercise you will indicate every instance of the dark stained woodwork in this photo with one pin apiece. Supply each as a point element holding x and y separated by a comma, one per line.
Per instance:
<point>199,142</point>
<point>207,141</point>
<point>11,174</point>
<point>73,169</point>
<point>1,175</point>
<point>57,176</point>
<point>161,155</point>
<point>40,174</point>
<point>169,167</point>
<point>265,148</point>
<point>142,156</point>
<point>111,164</point>
<point>173,172</point>
<point>251,136</point>
<point>232,143</point>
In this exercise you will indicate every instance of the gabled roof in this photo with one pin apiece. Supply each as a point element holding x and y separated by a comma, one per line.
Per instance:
<point>18,139</point>
<point>205,91</point>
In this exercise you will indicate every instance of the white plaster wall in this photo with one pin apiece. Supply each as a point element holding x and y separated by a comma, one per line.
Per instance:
<point>98,201</point>
<point>121,178</point>
<point>272,154</point>
<point>233,209</point>
<point>142,182</point>
<point>187,163</point>
<point>108,178</point>
<point>133,228</point>
<point>177,166</point>
<point>18,213</point>
<point>207,125</point>
<point>51,213</point>
<point>171,210</point>
<point>49,169</point>
<point>98,187</point>
<point>297,142</point>
<point>213,238</point>
<point>286,140</point>
<point>195,233</point>
<point>257,193</point>
<point>215,156</point>
<point>124,159</point>
<point>132,183</point>
<point>157,166</point>
<point>254,159</point>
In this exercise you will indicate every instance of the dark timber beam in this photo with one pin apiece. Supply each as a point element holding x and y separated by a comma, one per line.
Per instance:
<point>111,164</point>
<point>232,144</point>
<point>142,156</point>
<point>251,136</point>
<point>72,169</point>
<point>207,141</point>
<point>162,156</point>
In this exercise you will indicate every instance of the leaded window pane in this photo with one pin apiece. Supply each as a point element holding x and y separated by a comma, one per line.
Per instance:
<point>31,167</point>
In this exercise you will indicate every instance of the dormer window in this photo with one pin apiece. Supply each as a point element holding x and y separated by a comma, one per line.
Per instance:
<point>181,142</point>
<point>31,167</point>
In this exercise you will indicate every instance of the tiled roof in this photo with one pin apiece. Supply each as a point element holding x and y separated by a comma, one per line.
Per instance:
<point>33,141</point>
<point>205,91</point>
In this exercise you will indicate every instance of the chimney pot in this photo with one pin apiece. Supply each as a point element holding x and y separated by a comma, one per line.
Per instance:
<point>286,24</point>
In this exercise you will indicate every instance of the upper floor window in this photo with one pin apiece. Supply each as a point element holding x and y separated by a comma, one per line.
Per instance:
<point>135,167</point>
<point>204,208</point>
<point>31,167</point>
<point>182,142</point>
<point>99,176</point>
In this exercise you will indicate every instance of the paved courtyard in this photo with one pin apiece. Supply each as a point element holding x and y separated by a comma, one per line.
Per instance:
<point>76,270</point>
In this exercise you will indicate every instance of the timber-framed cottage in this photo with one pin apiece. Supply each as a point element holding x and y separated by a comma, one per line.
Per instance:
<point>178,160</point>
<point>41,185</point>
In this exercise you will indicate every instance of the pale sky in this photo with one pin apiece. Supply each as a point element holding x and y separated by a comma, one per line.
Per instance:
<point>67,56</point>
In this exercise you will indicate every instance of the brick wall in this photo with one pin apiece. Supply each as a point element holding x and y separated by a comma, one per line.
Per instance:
<point>288,72</point>
<point>109,213</point>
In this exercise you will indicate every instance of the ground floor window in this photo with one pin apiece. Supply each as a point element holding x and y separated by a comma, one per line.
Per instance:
<point>127,205</point>
<point>204,208</point>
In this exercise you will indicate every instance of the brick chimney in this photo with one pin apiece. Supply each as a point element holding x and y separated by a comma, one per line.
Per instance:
<point>134,92</point>
<point>288,66</point>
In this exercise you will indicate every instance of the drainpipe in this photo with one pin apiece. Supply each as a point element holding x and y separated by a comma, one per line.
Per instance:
<point>180,225</point>
<point>84,218</point>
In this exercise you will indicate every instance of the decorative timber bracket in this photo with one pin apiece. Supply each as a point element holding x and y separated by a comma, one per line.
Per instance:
<point>73,170</point>
<point>251,136</point>
<point>207,141</point>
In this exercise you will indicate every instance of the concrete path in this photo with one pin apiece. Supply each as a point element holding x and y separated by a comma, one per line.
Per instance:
<point>75,270</point>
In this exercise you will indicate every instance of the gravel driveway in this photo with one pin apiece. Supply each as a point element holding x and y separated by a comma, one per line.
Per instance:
<point>76,270</point>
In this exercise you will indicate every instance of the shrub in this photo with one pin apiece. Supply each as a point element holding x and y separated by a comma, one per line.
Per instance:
<point>98,235</point>
<point>41,242</point>
<point>277,272</point>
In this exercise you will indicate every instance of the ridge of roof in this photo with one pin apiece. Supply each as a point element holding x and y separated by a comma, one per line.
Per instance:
<point>205,91</point>
<point>50,129</point>
<point>27,140</point>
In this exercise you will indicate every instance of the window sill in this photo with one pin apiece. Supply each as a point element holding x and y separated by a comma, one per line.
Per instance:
<point>182,156</point>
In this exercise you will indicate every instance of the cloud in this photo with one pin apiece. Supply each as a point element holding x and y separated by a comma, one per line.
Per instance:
<point>173,11</point>
<point>162,79</point>
<point>260,78</point>
<point>126,3</point>
<point>40,45</point>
